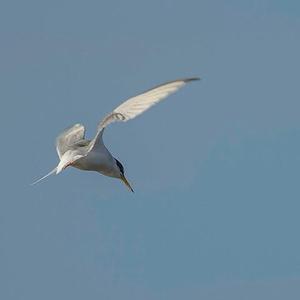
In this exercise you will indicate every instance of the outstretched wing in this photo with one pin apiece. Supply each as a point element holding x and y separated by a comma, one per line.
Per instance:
<point>68,138</point>
<point>135,106</point>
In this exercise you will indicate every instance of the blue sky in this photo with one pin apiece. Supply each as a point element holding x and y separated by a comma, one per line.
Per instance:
<point>215,167</point>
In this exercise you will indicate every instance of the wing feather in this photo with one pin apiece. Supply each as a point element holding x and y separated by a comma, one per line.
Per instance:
<point>135,106</point>
<point>68,137</point>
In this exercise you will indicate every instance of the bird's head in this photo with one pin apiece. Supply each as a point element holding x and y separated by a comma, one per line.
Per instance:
<point>121,174</point>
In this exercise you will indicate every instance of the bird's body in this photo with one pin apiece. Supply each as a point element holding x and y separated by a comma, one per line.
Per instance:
<point>92,155</point>
<point>98,159</point>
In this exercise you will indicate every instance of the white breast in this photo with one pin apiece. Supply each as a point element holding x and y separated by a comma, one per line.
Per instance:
<point>100,160</point>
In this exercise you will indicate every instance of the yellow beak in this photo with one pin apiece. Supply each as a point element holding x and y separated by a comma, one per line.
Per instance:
<point>126,183</point>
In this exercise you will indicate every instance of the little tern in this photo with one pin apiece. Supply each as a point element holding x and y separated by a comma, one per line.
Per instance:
<point>75,151</point>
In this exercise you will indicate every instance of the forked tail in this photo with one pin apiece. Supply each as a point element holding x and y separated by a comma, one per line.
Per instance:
<point>50,173</point>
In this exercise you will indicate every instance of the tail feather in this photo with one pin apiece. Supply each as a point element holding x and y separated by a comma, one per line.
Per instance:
<point>50,173</point>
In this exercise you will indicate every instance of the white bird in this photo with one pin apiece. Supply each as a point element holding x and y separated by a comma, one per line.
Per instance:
<point>92,155</point>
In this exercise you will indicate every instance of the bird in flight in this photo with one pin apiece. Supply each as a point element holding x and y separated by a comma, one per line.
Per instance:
<point>75,151</point>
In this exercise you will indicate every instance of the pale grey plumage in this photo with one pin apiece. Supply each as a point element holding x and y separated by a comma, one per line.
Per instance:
<point>69,137</point>
<point>74,150</point>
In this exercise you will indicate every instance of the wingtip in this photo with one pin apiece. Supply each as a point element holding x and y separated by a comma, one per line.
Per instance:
<point>192,79</point>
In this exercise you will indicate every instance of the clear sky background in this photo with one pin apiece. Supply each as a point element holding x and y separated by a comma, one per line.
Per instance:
<point>215,167</point>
